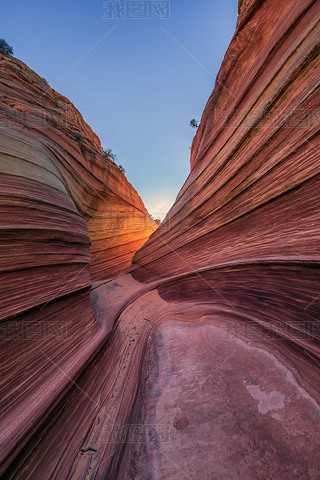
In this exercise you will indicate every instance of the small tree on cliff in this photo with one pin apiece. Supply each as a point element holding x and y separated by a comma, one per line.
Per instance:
<point>122,169</point>
<point>193,123</point>
<point>108,153</point>
<point>5,49</point>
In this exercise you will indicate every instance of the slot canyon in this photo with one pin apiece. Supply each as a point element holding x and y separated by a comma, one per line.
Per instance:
<point>188,350</point>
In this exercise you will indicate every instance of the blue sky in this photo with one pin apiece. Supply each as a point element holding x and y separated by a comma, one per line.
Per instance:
<point>137,82</point>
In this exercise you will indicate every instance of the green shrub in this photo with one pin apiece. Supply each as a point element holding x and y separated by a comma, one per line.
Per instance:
<point>193,123</point>
<point>5,48</point>
<point>108,153</point>
<point>78,137</point>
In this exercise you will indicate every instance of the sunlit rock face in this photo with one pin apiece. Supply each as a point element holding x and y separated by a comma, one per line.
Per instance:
<point>202,361</point>
<point>60,188</point>
<point>69,218</point>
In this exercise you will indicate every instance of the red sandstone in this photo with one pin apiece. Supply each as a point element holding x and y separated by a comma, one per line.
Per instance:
<point>212,335</point>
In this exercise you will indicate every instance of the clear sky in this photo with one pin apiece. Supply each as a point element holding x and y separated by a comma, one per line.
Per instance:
<point>137,82</point>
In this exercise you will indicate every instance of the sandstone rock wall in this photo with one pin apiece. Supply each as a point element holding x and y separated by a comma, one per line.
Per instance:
<point>214,337</point>
<point>69,218</point>
<point>249,208</point>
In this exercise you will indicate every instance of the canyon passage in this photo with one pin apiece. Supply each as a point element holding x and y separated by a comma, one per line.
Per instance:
<point>185,350</point>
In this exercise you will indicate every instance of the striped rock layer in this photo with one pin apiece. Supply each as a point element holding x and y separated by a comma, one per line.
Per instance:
<point>69,218</point>
<point>203,360</point>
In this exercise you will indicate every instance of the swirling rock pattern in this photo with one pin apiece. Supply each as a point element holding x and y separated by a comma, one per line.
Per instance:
<point>69,218</point>
<point>212,367</point>
<point>69,192</point>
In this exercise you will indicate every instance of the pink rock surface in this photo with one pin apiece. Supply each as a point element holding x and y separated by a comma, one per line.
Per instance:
<point>202,362</point>
<point>226,410</point>
<point>68,217</point>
